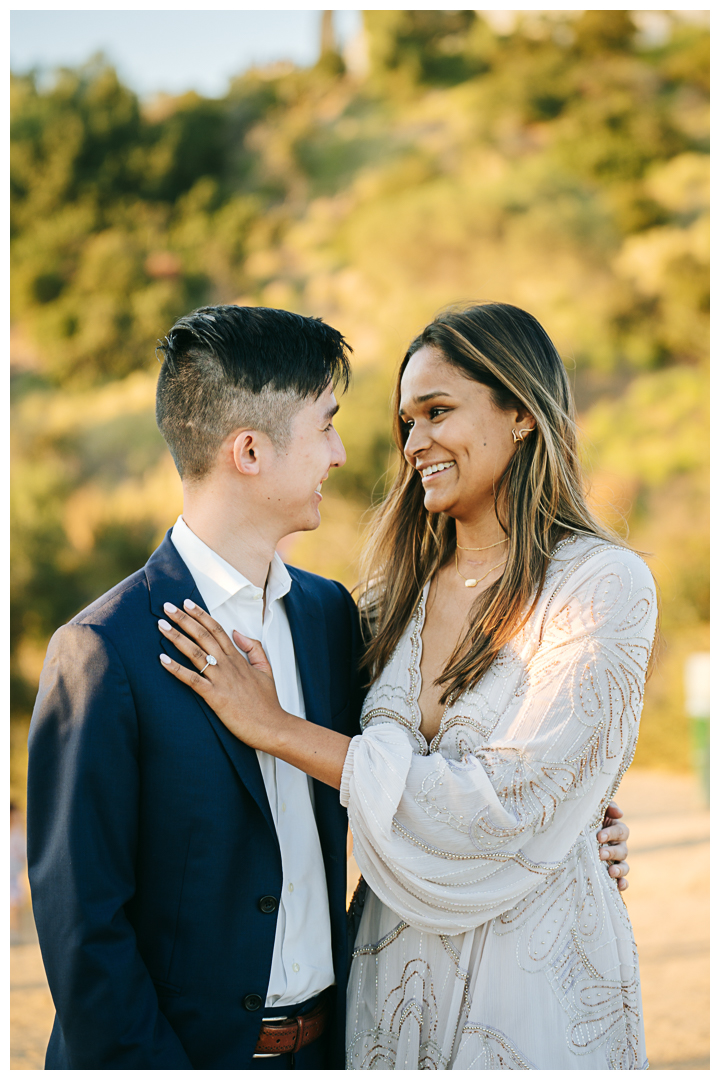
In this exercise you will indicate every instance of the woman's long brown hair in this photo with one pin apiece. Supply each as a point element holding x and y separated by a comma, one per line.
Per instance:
<point>539,499</point>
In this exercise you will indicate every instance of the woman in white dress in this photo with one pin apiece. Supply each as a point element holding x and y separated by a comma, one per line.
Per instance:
<point>511,637</point>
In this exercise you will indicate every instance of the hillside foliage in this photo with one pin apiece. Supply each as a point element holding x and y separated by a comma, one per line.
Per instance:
<point>561,165</point>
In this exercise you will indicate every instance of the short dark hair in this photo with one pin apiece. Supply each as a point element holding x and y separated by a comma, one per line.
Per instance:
<point>228,366</point>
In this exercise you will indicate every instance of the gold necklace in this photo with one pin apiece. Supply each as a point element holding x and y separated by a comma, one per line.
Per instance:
<point>487,548</point>
<point>471,582</point>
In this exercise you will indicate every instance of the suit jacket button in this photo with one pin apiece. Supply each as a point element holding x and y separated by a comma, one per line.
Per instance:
<point>267,904</point>
<point>252,1002</point>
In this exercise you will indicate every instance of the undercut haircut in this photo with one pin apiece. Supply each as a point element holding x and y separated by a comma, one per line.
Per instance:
<point>231,367</point>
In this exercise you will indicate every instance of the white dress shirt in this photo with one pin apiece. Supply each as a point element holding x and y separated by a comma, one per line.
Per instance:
<point>302,962</point>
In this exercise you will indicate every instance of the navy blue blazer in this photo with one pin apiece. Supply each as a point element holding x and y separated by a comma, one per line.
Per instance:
<point>150,837</point>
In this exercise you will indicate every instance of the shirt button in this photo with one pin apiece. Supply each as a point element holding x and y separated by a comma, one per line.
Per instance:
<point>283,808</point>
<point>291,887</point>
<point>258,596</point>
<point>296,967</point>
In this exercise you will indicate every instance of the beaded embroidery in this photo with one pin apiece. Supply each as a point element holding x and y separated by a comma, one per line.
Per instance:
<point>480,886</point>
<point>497,1051</point>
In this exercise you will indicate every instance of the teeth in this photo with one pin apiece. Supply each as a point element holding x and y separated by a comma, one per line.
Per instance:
<point>437,468</point>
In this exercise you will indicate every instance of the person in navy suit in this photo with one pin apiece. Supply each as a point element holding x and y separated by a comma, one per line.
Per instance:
<point>189,891</point>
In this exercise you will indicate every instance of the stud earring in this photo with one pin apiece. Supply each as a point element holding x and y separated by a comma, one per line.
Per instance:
<point>519,436</point>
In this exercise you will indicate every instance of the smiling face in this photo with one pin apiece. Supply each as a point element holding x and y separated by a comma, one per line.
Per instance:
<point>295,474</point>
<point>457,438</point>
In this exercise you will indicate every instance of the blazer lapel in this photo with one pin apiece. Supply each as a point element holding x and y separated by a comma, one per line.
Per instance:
<point>170,580</point>
<point>307,627</point>
<point>309,633</point>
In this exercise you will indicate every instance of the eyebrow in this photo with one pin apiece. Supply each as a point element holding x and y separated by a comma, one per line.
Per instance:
<point>422,398</point>
<point>332,411</point>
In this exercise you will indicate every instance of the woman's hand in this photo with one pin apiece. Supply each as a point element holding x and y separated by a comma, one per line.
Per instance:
<point>613,840</point>
<point>240,692</point>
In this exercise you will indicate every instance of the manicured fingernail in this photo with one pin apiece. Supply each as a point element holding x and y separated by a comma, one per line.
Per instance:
<point>601,837</point>
<point>604,853</point>
<point>170,607</point>
<point>164,624</point>
<point>188,603</point>
<point>164,659</point>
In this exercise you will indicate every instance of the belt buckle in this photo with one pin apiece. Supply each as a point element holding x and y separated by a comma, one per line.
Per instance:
<point>271,1020</point>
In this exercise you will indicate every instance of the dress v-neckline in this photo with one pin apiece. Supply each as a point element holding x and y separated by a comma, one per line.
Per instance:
<point>416,651</point>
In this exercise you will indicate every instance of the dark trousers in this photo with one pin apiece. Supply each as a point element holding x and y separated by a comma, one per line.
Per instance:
<point>311,1057</point>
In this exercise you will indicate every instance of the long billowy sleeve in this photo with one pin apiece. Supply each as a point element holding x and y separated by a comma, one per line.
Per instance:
<point>447,844</point>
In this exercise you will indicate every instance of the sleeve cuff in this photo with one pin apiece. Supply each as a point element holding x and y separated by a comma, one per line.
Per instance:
<point>348,771</point>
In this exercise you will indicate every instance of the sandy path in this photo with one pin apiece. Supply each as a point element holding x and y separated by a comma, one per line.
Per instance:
<point>31,1008</point>
<point>669,903</point>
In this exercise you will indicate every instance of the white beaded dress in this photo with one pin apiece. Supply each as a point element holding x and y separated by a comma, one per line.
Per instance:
<point>492,936</point>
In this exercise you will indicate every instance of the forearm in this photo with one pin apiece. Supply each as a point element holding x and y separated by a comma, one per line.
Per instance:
<point>242,694</point>
<point>317,751</point>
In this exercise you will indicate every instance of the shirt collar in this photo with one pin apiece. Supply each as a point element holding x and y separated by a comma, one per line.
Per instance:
<point>216,579</point>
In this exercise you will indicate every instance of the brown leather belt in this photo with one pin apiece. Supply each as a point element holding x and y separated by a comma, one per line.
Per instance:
<point>290,1035</point>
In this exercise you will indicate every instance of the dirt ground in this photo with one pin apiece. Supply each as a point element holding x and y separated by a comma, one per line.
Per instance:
<point>669,904</point>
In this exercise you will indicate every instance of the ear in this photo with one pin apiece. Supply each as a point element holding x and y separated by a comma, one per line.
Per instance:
<point>247,450</point>
<point>523,419</point>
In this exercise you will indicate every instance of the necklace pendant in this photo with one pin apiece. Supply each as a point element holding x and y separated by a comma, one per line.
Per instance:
<point>470,583</point>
